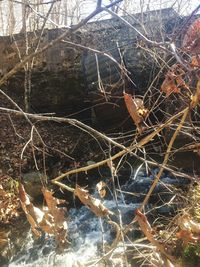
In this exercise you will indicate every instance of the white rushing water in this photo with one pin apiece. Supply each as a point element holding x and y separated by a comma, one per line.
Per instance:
<point>90,237</point>
<point>87,234</point>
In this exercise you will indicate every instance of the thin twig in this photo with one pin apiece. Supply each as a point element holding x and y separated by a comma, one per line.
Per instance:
<point>53,42</point>
<point>167,154</point>
<point>125,150</point>
<point>140,144</point>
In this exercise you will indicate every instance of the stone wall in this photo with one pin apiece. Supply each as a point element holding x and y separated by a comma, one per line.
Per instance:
<point>65,79</point>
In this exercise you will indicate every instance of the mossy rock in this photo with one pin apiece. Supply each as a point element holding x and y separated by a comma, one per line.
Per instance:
<point>191,256</point>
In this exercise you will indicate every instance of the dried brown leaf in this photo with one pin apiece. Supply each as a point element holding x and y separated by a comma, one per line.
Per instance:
<point>101,189</point>
<point>149,233</point>
<point>52,221</point>
<point>59,226</point>
<point>47,224</point>
<point>23,196</point>
<point>33,214</point>
<point>52,202</point>
<point>33,224</point>
<point>174,81</point>
<point>136,109</point>
<point>92,203</point>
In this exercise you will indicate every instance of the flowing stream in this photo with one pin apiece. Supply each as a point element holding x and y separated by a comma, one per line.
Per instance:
<point>88,234</point>
<point>90,237</point>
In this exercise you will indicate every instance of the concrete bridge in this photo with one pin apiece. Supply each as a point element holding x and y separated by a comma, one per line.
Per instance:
<point>66,78</point>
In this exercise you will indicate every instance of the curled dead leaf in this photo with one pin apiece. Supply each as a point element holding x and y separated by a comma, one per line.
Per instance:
<point>136,109</point>
<point>58,223</point>
<point>174,81</point>
<point>168,86</point>
<point>101,189</point>
<point>92,203</point>
<point>51,220</point>
<point>30,211</point>
<point>149,233</point>
<point>23,196</point>
<point>52,203</point>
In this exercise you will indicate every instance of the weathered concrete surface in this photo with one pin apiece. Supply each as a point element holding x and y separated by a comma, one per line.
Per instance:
<point>65,79</point>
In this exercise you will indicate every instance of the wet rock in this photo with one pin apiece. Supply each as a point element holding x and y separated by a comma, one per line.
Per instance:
<point>33,183</point>
<point>163,192</point>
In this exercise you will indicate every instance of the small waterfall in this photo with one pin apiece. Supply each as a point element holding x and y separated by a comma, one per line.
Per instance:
<point>89,236</point>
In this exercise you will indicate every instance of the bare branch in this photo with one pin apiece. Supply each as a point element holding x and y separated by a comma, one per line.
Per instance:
<point>125,150</point>
<point>68,32</point>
